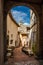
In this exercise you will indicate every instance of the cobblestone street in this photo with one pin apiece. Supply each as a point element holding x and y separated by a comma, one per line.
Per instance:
<point>21,58</point>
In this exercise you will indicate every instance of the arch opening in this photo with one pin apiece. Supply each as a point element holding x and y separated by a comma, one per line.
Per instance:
<point>22,34</point>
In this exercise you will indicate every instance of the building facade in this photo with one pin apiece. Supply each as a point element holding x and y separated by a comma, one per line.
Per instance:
<point>12,31</point>
<point>33,31</point>
<point>24,34</point>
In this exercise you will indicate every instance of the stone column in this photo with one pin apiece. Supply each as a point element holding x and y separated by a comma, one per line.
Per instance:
<point>1,34</point>
<point>41,32</point>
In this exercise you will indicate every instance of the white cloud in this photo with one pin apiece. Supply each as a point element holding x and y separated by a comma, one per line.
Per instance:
<point>18,15</point>
<point>15,12</point>
<point>26,24</point>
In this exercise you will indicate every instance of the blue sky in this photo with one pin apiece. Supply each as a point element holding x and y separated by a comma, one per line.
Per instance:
<point>21,13</point>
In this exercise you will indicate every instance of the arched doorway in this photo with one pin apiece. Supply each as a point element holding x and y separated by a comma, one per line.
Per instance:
<point>33,10</point>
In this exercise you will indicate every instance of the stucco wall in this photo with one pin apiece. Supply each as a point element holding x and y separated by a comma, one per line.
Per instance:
<point>13,30</point>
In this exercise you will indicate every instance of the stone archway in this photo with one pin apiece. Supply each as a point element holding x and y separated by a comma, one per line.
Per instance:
<point>8,6</point>
<point>39,10</point>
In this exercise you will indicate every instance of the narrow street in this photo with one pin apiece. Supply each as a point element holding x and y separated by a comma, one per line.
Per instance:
<point>21,58</point>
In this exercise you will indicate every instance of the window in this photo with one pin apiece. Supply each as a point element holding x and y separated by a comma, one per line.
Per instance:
<point>11,41</point>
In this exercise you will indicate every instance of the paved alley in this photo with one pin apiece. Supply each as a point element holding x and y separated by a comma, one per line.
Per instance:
<point>21,58</point>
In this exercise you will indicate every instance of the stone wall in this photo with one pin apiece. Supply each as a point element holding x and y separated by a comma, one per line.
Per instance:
<point>41,32</point>
<point>1,34</point>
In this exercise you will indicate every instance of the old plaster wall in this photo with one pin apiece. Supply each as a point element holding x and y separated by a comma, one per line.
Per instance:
<point>13,30</point>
